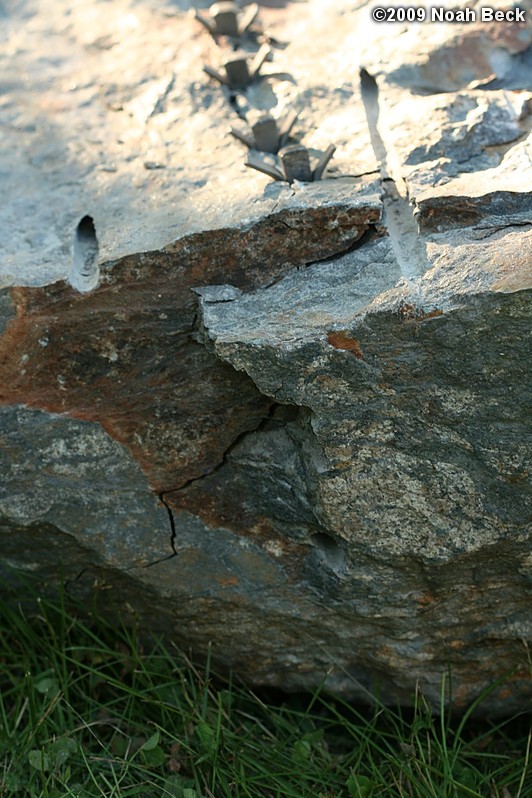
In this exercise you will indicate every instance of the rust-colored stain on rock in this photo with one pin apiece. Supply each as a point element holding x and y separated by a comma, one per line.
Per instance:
<point>343,340</point>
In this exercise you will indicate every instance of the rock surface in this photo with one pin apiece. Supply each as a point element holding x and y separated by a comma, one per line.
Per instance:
<point>287,420</point>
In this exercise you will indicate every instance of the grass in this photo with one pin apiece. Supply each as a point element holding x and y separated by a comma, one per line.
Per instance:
<point>86,712</point>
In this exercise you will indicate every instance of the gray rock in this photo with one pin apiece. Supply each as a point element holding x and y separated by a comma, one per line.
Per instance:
<point>85,482</point>
<point>287,422</point>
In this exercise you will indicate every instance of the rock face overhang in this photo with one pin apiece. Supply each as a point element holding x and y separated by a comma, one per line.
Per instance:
<point>287,421</point>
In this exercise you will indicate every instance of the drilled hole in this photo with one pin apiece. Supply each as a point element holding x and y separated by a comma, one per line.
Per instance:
<point>85,272</point>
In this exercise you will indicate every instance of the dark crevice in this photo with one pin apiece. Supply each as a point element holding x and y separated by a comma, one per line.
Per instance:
<point>172,534</point>
<point>172,523</point>
<point>69,582</point>
<point>357,175</point>
<point>235,105</point>
<point>368,235</point>
<point>276,280</point>
<point>489,230</point>
<point>278,415</point>
<point>195,324</point>
<point>285,224</point>
<point>262,425</point>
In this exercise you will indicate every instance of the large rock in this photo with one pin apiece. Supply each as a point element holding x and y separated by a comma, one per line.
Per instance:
<point>287,421</point>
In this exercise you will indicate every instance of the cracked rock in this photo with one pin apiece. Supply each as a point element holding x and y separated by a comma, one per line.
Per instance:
<point>285,423</point>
